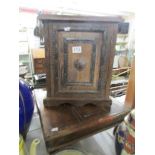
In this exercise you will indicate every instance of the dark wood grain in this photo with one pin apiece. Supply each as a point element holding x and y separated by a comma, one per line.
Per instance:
<point>48,57</point>
<point>66,124</point>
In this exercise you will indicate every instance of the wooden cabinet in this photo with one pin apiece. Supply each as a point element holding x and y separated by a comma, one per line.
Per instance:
<point>79,55</point>
<point>39,65</point>
<point>39,60</point>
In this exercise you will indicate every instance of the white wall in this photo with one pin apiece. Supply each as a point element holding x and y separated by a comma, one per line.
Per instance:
<point>29,21</point>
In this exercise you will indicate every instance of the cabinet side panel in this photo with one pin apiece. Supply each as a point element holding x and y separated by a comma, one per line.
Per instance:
<point>112,34</point>
<point>47,58</point>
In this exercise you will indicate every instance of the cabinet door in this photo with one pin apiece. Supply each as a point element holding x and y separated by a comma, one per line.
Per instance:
<point>79,55</point>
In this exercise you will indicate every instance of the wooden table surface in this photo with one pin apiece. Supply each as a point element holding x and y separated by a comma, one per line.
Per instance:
<point>66,124</point>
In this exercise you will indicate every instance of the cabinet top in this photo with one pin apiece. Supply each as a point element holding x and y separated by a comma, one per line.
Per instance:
<point>47,17</point>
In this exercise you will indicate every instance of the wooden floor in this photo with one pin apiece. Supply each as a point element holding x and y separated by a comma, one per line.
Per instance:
<point>99,144</point>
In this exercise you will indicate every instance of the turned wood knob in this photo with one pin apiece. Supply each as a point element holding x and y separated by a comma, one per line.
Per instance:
<point>79,64</point>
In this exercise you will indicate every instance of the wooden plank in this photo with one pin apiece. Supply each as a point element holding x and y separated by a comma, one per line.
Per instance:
<point>118,87</point>
<point>130,96</point>
<point>66,124</point>
<point>122,68</point>
<point>121,73</point>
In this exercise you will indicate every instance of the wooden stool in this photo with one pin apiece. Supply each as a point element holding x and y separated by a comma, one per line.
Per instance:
<point>66,124</point>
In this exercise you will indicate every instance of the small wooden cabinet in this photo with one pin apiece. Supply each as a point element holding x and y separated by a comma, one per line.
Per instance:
<point>39,65</point>
<point>39,60</point>
<point>79,54</point>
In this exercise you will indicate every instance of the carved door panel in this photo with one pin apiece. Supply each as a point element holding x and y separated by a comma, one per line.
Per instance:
<point>79,56</point>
